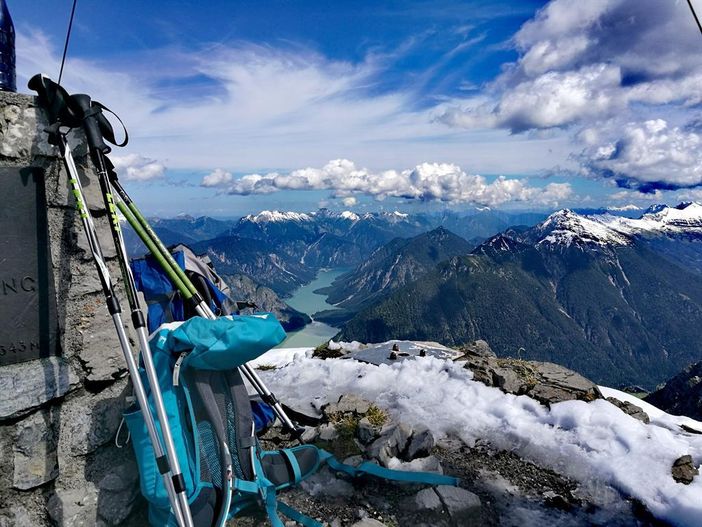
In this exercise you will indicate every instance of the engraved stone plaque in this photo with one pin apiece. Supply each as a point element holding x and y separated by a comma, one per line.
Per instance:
<point>28,321</point>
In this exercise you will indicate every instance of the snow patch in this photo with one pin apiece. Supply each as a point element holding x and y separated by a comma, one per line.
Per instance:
<point>623,208</point>
<point>593,443</point>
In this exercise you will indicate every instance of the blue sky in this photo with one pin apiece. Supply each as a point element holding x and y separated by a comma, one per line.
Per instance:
<point>234,107</point>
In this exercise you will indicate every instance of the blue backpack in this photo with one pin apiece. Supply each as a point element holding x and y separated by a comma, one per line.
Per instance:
<point>165,304</point>
<point>225,469</point>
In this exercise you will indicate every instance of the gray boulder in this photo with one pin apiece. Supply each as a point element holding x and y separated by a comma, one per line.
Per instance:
<point>478,348</point>
<point>421,444</point>
<point>444,505</point>
<point>118,491</point>
<point>91,421</point>
<point>463,506</point>
<point>347,403</point>
<point>427,500</point>
<point>367,431</point>
<point>327,432</point>
<point>392,443</point>
<point>309,435</point>
<point>684,470</point>
<point>102,356</point>
<point>75,507</point>
<point>368,522</point>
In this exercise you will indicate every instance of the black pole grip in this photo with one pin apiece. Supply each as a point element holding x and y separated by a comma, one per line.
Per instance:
<point>91,123</point>
<point>59,107</point>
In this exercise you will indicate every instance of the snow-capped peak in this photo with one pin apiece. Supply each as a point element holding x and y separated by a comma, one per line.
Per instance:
<point>655,208</point>
<point>267,216</point>
<point>566,227</point>
<point>333,214</point>
<point>348,215</point>
<point>682,215</point>
<point>394,216</point>
<point>624,208</point>
<point>684,218</point>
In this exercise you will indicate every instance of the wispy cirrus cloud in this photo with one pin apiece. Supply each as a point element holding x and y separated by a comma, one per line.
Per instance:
<point>443,182</point>
<point>264,106</point>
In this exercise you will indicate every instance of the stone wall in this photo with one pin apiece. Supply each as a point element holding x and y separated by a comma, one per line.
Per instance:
<point>58,416</point>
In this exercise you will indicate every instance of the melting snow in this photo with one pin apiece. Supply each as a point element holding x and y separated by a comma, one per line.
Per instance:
<point>594,443</point>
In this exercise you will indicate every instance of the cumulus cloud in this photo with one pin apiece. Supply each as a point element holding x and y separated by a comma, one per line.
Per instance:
<point>349,201</point>
<point>587,61</point>
<point>135,167</point>
<point>217,178</point>
<point>606,71</point>
<point>443,182</point>
<point>648,156</point>
<point>554,99</point>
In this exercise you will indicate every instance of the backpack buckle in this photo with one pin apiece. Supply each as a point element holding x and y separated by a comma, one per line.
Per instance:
<point>176,369</point>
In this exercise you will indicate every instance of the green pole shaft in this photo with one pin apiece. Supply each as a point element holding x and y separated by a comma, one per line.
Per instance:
<point>160,252</point>
<point>165,253</point>
<point>153,249</point>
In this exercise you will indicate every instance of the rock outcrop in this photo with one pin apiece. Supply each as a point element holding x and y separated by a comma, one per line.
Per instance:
<point>544,381</point>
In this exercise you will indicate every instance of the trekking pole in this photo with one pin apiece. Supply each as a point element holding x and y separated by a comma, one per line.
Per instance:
<point>57,101</point>
<point>186,288</point>
<point>95,126</point>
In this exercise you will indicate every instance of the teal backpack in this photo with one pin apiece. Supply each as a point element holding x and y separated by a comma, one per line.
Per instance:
<point>226,471</point>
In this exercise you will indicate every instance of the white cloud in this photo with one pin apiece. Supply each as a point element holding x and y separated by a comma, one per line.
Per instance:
<point>593,68</point>
<point>217,178</point>
<point>349,201</point>
<point>584,62</point>
<point>426,182</point>
<point>647,156</point>
<point>554,99</point>
<point>134,167</point>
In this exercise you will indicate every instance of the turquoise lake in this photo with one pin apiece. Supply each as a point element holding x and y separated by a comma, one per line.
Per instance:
<point>307,301</point>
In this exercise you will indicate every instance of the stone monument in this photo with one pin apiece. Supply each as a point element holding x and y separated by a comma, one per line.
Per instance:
<point>62,374</point>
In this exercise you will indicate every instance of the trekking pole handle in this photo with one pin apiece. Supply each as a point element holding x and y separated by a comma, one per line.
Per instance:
<point>59,105</point>
<point>91,122</point>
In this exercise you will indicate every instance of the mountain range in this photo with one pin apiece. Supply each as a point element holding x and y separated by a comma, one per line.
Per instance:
<point>617,299</point>
<point>613,296</point>
<point>284,250</point>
